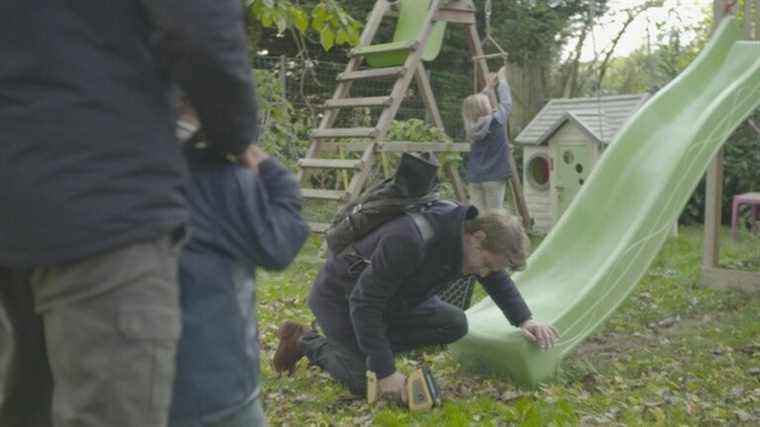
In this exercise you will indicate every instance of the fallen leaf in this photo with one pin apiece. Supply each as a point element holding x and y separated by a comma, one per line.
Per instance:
<point>667,322</point>
<point>589,381</point>
<point>742,415</point>
<point>510,395</point>
<point>692,408</point>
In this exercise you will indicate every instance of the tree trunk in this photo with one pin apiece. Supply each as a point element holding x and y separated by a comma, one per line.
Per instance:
<point>528,93</point>
<point>570,85</point>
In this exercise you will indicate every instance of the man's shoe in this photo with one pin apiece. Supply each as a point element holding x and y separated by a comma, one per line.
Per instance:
<point>290,350</point>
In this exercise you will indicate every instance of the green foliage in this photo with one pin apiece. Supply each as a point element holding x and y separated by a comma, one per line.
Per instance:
<point>326,18</point>
<point>334,25</point>
<point>283,129</point>
<point>415,130</point>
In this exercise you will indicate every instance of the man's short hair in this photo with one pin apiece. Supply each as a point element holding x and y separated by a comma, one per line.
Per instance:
<point>505,236</point>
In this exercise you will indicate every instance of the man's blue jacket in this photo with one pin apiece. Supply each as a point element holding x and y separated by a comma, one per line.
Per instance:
<point>88,156</point>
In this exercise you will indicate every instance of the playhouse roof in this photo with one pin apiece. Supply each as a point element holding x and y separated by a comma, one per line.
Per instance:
<point>601,118</point>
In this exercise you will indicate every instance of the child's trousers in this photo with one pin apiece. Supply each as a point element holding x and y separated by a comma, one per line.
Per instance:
<point>487,196</point>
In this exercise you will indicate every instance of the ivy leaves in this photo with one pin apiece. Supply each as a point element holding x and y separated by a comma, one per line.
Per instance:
<point>327,19</point>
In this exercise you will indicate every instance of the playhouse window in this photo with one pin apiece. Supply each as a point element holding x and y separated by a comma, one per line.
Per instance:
<point>538,172</point>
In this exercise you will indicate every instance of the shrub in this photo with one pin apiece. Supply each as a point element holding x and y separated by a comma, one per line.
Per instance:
<point>741,173</point>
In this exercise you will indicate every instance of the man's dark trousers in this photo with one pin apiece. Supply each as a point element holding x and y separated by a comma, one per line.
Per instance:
<point>430,323</point>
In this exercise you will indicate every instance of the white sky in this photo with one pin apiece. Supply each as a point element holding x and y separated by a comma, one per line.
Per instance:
<point>690,12</point>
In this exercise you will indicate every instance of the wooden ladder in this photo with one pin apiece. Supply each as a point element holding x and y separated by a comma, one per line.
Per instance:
<point>360,168</point>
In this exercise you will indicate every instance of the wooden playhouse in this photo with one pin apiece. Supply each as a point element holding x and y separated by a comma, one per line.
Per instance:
<point>562,144</point>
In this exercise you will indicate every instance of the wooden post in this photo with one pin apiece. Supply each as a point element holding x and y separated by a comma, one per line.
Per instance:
<point>423,85</point>
<point>713,185</point>
<point>713,197</point>
<point>476,49</point>
<point>752,19</point>
<point>428,98</point>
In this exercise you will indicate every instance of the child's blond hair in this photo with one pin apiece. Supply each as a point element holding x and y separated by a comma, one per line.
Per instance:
<point>473,108</point>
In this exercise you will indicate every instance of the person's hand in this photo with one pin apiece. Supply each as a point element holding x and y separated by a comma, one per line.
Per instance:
<point>252,156</point>
<point>542,334</point>
<point>393,386</point>
<point>492,82</point>
<point>502,73</point>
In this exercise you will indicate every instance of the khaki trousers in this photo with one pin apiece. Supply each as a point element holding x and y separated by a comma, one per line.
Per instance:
<point>91,343</point>
<point>487,196</point>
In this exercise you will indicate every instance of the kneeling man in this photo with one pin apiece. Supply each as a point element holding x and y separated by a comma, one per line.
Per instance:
<point>380,298</point>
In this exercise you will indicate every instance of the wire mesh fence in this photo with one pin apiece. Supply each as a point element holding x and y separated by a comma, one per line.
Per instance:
<point>307,84</point>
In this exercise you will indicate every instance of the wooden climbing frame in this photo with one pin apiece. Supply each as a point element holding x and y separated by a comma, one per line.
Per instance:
<point>371,142</point>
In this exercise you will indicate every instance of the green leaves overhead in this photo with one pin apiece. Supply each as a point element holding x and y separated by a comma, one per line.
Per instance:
<point>326,18</point>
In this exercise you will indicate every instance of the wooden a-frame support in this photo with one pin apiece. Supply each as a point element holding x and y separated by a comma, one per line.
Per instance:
<point>460,12</point>
<point>712,274</point>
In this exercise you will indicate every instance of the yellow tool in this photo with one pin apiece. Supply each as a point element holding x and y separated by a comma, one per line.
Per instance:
<point>421,390</point>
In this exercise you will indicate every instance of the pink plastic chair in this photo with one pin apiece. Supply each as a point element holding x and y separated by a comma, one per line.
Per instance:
<point>752,199</point>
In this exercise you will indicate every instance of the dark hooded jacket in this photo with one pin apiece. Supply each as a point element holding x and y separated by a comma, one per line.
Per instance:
<point>88,156</point>
<point>401,271</point>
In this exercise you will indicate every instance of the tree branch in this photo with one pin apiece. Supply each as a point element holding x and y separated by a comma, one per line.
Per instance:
<point>754,126</point>
<point>633,13</point>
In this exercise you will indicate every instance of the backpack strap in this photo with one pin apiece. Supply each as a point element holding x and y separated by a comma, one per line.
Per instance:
<point>423,225</point>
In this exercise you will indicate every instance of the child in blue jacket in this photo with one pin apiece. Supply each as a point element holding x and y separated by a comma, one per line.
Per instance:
<point>241,218</point>
<point>488,165</point>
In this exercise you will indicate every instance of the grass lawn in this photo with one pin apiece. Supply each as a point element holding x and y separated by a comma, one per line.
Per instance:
<point>673,354</point>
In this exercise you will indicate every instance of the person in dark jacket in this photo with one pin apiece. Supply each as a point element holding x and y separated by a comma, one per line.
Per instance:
<point>381,299</point>
<point>93,205</point>
<point>485,127</point>
<point>241,218</point>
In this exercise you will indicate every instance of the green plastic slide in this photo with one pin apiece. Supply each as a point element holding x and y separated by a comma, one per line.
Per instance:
<point>606,240</point>
<point>408,27</point>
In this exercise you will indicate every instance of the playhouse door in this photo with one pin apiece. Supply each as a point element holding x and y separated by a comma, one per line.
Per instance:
<point>572,165</point>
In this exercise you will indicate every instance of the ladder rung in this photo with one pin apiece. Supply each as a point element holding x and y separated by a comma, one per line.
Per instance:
<point>344,133</point>
<point>371,101</point>
<point>318,227</point>
<point>385,47</point>
<point>312,193</point>
<point>371,73</point>
<point>330,163</point>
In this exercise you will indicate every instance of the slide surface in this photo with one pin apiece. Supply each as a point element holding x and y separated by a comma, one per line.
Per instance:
<point>606,240</point>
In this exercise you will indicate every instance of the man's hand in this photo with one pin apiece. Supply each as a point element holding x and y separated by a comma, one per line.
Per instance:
<point>544,335</point>
<point>393,385</point>
<point>252,156</point>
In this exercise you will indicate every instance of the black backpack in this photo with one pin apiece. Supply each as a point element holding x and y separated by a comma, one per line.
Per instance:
<point>413,187</point>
